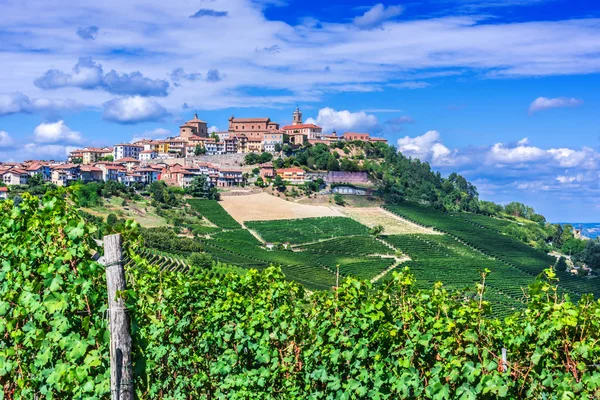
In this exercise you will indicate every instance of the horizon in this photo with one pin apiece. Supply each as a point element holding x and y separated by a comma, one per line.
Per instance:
<point>504,93</point>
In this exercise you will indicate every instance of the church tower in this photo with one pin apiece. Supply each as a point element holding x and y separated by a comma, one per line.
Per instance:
<point>297,119</point>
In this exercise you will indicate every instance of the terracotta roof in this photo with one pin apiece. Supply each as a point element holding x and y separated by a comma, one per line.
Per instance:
<point>377,139</point>
<point>355,133</point>
<point>293,169</point>
<point>64,166</point>
<point>128,144</point>
<point>245,120</point>
<point>3,189</point>
<point>126,160</point>
<point>301,126</point>
<point>34,167</point>
<point>89,168</point>
<point>148,151</point>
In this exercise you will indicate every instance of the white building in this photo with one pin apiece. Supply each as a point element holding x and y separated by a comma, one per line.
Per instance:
<point>214,148</point>
<point>127,150</point>
<point>148,155</point>
<point>3,193</point>
<point>15,177</point>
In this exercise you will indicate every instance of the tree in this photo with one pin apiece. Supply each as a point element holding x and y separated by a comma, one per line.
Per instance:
<point>278,147</point>
<point>111,219</point>
<point>251,158</point>
<point>376,230</point>
<point>333,165</point>
<point>339,199</point>
<point>279,184</point>
<point>200,260</point>
<point>591,254</point>
<point>561,264</point>
<point>108,158</point>
<point>259,182</point>
<point>265,158</point>
<point>199,150</point>
<point>215,136</point>
<point>201,187</point>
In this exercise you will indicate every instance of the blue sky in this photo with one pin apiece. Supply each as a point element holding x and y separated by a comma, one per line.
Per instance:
<point>506,92</point>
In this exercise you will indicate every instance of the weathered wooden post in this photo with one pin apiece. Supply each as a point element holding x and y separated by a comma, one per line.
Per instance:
<point>121,371</point>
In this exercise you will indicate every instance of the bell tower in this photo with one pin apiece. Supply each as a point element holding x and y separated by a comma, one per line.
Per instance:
<point>297,119</point>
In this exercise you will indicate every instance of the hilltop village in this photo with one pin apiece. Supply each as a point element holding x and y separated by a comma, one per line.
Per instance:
<point>178,160</point>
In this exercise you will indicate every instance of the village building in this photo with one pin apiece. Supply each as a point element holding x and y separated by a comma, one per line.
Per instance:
<point>267,171</point>
<point>251,132</point>
<point>3,193</point>
<point>14,176</point>
<point>270,141</point>
<point>75,156</point>
<point>292,175</point>
<point>193,127</point>
<point>214,148</point>
<point>41,169</point>
<point>126,150</point>
<point>112,171</point>
<point>64,174</point>
<point>91,155</point>
<point>129,163</point>
<point>230,177</point>
<point>89,173</point>
<point>364,137</point>
<point>299,133</point>
<point>148,155</point>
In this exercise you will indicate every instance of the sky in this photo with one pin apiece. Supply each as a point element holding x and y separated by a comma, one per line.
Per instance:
<point>505,92</point>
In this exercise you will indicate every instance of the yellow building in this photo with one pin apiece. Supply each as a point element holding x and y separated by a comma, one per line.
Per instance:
<point>162,146</point>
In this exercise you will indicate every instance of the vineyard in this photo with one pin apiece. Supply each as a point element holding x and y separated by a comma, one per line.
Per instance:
<point>481,234</point>
<point>212,211</point>
<point>229,332</point>
<point>297,231</point>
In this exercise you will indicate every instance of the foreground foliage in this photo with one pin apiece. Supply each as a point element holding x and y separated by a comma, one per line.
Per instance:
<point>201,334</point>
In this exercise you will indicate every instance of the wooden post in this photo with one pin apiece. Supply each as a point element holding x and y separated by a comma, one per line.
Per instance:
<point>121,371</point>
<point>504,363</point>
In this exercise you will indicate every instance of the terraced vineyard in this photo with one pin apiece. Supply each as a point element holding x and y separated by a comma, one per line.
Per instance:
<point>212,210</point>
<point>480,233</point>
<point>297,231</point>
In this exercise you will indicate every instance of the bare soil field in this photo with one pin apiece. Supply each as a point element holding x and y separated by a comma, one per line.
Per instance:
<point>392,224</point>
<point>264,207</point>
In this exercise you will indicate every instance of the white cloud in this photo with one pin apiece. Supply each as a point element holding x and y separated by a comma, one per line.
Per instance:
<point>156,38</point>
<point>376,15</point>
<point>570,178</point>
<point>213,129</point>
<point>410,85</point>
<point>502,154</point>
<point>569,158</point>
<point>56,132</point>
<point>17,102</point>
<point>132,110</point>
<point>345,121</point>
<point>5,140</point>
<point>428,147</point>
<point>544,103</point>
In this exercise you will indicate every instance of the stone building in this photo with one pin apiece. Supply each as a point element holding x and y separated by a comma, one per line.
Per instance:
<point>193,127</point>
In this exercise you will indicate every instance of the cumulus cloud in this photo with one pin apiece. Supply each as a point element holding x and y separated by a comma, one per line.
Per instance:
<point>545,103</point>
<point>207,12</point>
<point>344,121</point>
<point>17,103</point>
<point>522,153</point>
<point>410,85</point>
<point>5,140</point>
<point>133,110</point>
<point>88,32</point>
<point>213,129</point>
<point>428,147</point>
<point>377,15</point>
<point>55,132</point>
<point>89,75</point>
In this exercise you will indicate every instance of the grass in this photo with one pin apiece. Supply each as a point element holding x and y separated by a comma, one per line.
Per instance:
<point>140,211</point>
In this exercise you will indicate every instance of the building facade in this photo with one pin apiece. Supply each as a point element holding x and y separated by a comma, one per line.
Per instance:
<point>127,150</point>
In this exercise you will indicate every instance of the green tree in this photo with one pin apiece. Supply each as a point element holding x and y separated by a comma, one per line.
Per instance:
<point>111,219</point>
<point>561,264</point>
<point>259,182</point>
<point>333,165</point>
<point>251,158</point>
<point>199,150</point>
<point>338,199</point>
<point>279,183</point>
<point>376,230</point>
<point>200,260</point>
